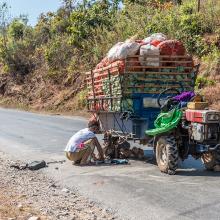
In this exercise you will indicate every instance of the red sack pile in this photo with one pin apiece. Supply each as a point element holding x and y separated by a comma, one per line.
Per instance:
<point>104,62</point>
<point>172,48</point>
<point>120,64</point>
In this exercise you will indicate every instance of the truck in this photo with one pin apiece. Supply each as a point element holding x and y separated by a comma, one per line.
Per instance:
<point>139,102</point>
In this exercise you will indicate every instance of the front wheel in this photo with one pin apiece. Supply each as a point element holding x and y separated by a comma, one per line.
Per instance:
<point>167,155</point>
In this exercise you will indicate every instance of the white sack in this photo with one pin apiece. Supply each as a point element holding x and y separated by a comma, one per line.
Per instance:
<point>145,52</point>
<point>148,40</point>
<point>157,36</point>
<point>112,53</point>
<point>122,50</point>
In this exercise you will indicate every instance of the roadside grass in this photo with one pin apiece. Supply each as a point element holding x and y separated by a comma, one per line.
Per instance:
<point>211,94</point>
<point>69,110</point>
<point>10,103</point>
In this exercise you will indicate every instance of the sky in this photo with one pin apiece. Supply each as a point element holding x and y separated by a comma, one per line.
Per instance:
<point>32,8</point>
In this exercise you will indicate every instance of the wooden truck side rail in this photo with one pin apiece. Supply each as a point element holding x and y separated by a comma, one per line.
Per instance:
<point>109,86</point>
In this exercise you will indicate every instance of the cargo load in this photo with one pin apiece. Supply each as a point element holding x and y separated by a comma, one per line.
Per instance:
<point>133,73</point>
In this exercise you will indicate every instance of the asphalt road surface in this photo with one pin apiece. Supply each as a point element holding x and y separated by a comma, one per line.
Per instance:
<point>136,191</point>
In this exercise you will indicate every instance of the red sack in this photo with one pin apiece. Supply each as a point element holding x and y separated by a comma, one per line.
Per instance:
<point>172,48</point>
<point>104,62</point>
<point>155,43</point>
<point>120,64</point>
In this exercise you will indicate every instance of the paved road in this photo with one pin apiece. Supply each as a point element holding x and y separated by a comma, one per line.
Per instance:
<point>136,191</point>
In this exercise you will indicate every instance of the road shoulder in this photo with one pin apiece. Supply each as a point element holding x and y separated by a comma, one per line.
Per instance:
<point>26,193</point>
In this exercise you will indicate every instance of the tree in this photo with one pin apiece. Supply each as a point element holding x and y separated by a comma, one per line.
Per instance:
<point>69,5</point>
<point>16,29</point>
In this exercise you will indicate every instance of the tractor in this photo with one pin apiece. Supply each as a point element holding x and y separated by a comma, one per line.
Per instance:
<point>183,128</point>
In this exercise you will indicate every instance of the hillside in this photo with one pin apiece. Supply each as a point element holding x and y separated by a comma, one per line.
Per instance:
<point>42,67</point>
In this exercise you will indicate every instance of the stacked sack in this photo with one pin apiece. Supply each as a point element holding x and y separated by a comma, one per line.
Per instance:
<point>119,52</point>
<point>149,51</point>
<point>155,45</point>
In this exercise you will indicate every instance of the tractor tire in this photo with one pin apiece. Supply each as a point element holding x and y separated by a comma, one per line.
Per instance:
<point>211,159</point>
<point>167,155</point>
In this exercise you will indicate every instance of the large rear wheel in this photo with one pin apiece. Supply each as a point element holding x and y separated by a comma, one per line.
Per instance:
<point>167,154</point>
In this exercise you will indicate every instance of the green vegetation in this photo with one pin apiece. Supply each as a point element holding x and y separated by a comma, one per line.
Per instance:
<point>76,37</point>
<point>202,82</point>
<point>73,39</point>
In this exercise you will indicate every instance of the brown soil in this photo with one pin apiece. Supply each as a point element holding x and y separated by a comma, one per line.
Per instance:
<point>10,210</point>
<point>42,92</point>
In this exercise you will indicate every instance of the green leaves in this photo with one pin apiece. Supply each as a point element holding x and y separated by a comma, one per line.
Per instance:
<point>16,30</point>
<point>77,36</point>
<point>88,17</point>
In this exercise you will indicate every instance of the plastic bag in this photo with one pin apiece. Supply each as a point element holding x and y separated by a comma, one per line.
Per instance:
<point>157,36</point>
<point>121,50</point>
<point>146,58</point>
<point>112,54</point>
<point>147,40</point>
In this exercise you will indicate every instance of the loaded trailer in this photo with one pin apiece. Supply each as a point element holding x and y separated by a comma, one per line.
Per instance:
<point>124,94</point>
<point>155,104</point>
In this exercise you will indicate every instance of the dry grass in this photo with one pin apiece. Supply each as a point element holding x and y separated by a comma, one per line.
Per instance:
<point>212,95</point>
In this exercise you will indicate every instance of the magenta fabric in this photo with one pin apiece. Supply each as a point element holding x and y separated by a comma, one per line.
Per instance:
<point>184,96</point>
<point>81,146</point>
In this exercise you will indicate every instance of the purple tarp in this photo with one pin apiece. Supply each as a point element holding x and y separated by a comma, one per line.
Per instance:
<point>184,96</point>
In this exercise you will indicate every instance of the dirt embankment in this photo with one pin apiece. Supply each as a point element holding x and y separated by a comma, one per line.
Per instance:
<point>25,194</point>
<point>41,92</point>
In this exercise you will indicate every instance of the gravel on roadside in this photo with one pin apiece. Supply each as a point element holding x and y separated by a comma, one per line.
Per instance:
<point>25,194</point>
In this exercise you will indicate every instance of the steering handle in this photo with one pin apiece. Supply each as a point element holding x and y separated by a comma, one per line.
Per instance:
<point>164,92</point>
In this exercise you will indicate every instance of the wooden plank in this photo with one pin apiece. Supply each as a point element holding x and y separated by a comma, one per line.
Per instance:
<point>156,86</point>
<point>158,67</point>
<point>131,93</point>
<point>88,73</point>
<point>95,82</point>
<point>158,73</point>
<point>167,80</point>
<point>161,56</point>
<point>105,98</point>
<point>92,74</point>
<point>161,61</point>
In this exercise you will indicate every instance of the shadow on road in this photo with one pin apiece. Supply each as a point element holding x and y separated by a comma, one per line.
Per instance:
<point>188,172</point>
<point>189,167</point>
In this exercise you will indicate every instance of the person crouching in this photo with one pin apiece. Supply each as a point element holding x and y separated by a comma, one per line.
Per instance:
<point>80,148</point>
